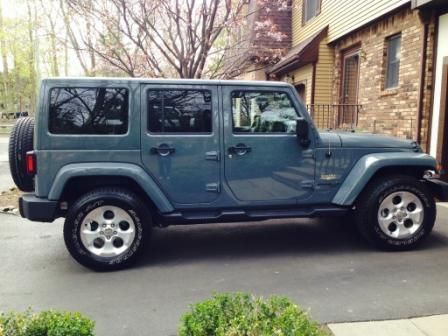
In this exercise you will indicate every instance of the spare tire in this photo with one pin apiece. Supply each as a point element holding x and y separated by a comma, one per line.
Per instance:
<point>21,142</point>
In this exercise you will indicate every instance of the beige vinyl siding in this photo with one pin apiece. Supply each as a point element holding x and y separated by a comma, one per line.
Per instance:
<point>342,16</point>
<point>253,72</point>
<point>303,75</point>
<point>324,74</point>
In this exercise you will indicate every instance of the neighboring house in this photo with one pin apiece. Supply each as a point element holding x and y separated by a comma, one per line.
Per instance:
<point>368,65</point>
<point>260,41</point>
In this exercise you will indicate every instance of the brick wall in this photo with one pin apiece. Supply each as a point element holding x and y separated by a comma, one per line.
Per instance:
<point>390,111</point>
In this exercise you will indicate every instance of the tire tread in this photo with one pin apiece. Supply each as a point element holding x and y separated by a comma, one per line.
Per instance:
<point>20,142</point>
<point>369,198</point>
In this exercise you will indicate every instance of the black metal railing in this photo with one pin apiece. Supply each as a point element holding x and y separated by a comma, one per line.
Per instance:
<point>335,116</point>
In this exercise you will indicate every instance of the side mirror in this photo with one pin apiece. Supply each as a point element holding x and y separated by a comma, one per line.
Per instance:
<point>302,132</point>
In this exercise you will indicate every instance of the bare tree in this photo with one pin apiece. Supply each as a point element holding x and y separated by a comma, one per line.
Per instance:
<point>51,20</point>
<point>87,60</point>
<point>33,53</point>
<point>156,38</point>
<point>4,56</point>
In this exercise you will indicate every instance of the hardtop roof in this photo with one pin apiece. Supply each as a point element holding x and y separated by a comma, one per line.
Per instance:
<point>122,80</point>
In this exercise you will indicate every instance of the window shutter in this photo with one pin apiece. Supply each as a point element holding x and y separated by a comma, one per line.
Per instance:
<point>318,7</point>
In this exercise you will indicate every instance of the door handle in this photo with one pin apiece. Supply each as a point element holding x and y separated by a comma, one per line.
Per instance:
<point>239,149</point>
<point>162,150</point>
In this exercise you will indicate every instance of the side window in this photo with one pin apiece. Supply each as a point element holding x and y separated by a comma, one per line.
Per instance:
<point>311,8</point>
<point>179,111</point>
<point>88,111</point>
<point>263,112</point>
<point>393,61</point>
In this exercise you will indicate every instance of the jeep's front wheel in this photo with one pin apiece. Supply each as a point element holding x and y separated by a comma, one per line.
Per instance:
<point>396,213</point>
<point>106,229</point>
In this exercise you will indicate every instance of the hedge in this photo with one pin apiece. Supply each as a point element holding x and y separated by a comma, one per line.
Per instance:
<point>241,314</point>
<point>46,323</point>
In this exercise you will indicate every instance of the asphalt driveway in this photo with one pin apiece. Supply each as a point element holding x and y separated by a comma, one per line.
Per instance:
<point>322,265</point>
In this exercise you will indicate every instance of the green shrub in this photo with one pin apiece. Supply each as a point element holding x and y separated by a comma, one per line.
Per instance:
<point>241,314</point>
<point>47,323</point>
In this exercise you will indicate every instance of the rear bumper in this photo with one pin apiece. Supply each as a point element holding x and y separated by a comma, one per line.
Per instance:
<point>38,209</point>
<point>439,188</point>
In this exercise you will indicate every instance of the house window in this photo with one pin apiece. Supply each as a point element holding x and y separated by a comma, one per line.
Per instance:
<point>393,61</point>
<point>311,8</point>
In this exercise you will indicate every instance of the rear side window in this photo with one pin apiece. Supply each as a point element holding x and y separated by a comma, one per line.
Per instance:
<point>89,110</point>
<point>179,111</point>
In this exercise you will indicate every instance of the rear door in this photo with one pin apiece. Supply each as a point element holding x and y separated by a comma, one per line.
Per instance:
<point>180,141</point>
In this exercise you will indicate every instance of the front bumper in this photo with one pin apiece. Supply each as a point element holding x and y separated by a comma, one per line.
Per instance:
<point>38,209</point>
<point>439,188</point>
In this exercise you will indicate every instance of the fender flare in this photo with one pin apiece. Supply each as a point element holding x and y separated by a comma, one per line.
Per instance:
<point>368,165</point>
<point>129,170</point>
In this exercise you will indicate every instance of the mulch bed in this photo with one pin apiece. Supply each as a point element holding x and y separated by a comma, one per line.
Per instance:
<point>9,200</point>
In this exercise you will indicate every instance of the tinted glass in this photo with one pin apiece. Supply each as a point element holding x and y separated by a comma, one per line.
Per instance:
<point>393,61</point>
<point>180,111</point>
<point>263,112</point>
<point>88,111</point>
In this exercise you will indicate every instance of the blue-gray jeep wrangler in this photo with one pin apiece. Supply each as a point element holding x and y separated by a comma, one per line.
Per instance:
<point>118,156</point>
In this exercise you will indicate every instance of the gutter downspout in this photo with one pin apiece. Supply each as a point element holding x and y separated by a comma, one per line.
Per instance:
<point>313,83</point>
<point>425,17</point>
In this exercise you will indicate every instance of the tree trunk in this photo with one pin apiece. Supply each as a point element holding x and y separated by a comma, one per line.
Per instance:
<point>54,52</point>
<point>4,55</point>
<point>31,60</point>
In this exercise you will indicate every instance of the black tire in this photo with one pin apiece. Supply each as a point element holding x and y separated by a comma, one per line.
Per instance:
<point>20,142</point>
<point>367,207</point>
<point>103,197</point>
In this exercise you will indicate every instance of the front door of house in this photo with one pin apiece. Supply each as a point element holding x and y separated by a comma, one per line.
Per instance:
<point>348,111</point>
<point>442,148</point>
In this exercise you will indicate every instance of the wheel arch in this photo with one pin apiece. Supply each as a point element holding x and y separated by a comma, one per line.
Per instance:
<point>75,179</point>
<point>373,166</point>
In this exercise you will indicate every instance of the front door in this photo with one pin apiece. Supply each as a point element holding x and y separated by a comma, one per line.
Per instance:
<point>348,110</point>
<point>442,148</point>
<point>263,161</point>
<point>180,141</point>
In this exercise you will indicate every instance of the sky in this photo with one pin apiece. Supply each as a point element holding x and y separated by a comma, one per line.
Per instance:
<point>11,8</point>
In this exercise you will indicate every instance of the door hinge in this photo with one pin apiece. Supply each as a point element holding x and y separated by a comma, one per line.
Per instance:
<point>307,184</point>
<point>213,156</point>
<point>213,187</point>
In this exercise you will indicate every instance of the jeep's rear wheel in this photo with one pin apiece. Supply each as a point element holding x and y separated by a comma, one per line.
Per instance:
<point>396,213</point>
<point>106,229</point>
<point>21,142</point>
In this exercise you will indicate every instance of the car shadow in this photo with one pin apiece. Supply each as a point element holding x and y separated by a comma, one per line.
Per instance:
<point>185,244</point>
